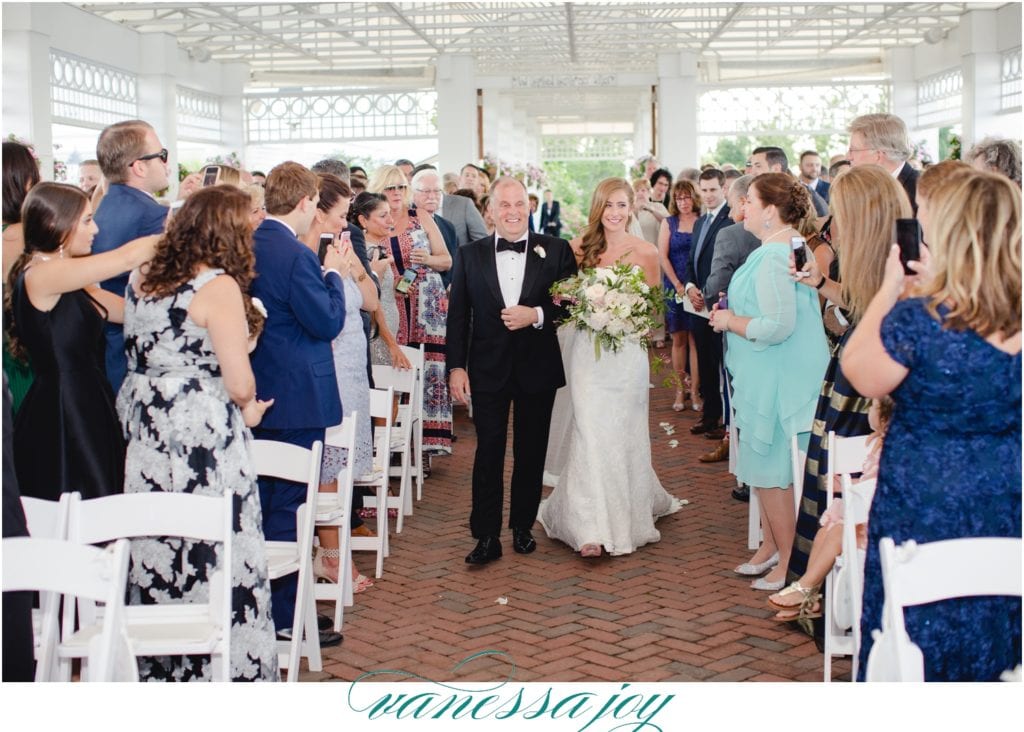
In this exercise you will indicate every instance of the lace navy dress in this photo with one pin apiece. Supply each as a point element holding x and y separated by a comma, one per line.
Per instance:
<point>950,468</point>
<point>185,435</point>
<point>679,245</point>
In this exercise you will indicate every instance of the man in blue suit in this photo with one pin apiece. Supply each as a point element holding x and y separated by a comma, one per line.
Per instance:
<point>810,174</point>
<point>135,166</point>
<point>292,362</point>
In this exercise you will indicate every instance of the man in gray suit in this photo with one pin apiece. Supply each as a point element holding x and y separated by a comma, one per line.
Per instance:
<point>460,212</point>
<point>732,247</point>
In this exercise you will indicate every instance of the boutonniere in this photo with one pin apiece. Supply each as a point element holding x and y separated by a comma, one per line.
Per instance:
<point>539,251</point>
<point>258,304</point>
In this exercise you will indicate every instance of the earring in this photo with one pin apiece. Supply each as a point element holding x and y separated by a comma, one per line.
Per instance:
<point>60,252</point>
<point>766,224</point>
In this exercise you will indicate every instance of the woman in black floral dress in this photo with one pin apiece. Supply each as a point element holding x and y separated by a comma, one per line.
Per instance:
<point>186,406</point>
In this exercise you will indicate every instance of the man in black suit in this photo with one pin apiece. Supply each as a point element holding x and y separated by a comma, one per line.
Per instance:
<point>550,215</point>
<point>881,139</point>
<point>810,174</point>
<point>501,283</point>
<point>709,343</point>
<point>774,160</point>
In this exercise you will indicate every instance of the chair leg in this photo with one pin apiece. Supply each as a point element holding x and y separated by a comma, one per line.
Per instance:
<point>310,631</point>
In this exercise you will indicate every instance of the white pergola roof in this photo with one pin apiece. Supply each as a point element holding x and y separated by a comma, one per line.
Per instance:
<point>312,44</point>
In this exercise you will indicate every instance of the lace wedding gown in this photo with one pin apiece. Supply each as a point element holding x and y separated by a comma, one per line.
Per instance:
<point>599,452</point>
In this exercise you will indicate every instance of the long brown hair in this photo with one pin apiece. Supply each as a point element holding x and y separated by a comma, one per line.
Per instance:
<point>975,233</point>
<point>866,201</point>
<point>593,243</point>
<point>49,216</point>
<point>212,228</point>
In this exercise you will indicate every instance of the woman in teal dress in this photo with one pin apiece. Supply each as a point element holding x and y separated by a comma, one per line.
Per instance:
<point>776,354</point>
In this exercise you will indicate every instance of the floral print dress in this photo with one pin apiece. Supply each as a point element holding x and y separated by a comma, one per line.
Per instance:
<point>185,435</point>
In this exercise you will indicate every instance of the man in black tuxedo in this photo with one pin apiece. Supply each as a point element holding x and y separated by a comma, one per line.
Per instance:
<point>882,139</point>
<point>501,283</point>
<point>551,215</point>
<point>709,343</point>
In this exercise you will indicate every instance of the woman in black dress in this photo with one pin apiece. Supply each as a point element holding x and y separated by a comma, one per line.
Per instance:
<point>66,435</point>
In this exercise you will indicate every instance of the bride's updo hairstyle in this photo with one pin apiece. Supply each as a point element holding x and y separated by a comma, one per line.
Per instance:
<point>791,199</point>
<point>593,243</point>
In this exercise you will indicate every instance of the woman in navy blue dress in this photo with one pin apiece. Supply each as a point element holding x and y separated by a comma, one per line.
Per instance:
<point>675,238</point>
<point>951,464</point>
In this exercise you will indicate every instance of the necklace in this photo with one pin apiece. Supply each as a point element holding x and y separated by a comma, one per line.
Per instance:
<point>784,228</point>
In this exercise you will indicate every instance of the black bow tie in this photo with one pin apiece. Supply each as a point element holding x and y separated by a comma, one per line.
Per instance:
<point>504,245</point>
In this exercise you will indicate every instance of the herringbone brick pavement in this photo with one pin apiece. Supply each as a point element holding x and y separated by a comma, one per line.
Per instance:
<point>672,611</point>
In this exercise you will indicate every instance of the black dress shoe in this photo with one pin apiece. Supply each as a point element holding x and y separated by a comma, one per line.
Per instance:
<point>328,638</point>
<point>742,493</point>
<point>522,541</point>
<point>487,550</point>
<point>718,433</point>
<point>324,622</point>
<point>700,428</point>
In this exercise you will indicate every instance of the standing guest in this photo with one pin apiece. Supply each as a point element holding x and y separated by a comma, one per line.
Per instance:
<point>293,362</point>
<point>406,167</point>
<point>950,467</point>
<point>426,195</point>
<point>259,178</point>
<point>186,406</point>
<point>350,366</point>
<point>417,248</point>
<point>18,661</point>
<point>470,177</point>
<point>731,174</point>
<point>661,181</point>
<point>776,356</point>
<point>370,211</point>
<point>512,355</point>
<point>20,173</point>
<point>836,168</point>
<point>732,247</point>
<point>648,213</point>
<point>534,219</point>
<point>997,155</point>
<point>693,174</point>
<point>881,139</point>
<point>771,159</point>
<point>866,202</point>
<point>257,204</point>
<point>55,317</point>
<point>451,183</point>
<point>551,215</point>
<point>675,241</point>
<point>698,269</point>
<point>464,216</point>
<point>134,163</point>
<point>89,176</point>
<point>334,167</point>
<point>810,174</point>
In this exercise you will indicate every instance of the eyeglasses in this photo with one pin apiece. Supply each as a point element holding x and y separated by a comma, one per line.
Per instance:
<point>859,149</point>
<point>430,191</point>
<point>162,155</point>
<point>395,188</point>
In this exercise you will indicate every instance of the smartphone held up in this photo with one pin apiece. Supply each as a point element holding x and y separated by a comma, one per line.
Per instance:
<point>325,241</point>
<point>799,246</point>
<point>908,235</point>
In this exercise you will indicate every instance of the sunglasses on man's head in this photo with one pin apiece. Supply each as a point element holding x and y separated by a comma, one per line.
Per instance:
<point>163,154</point>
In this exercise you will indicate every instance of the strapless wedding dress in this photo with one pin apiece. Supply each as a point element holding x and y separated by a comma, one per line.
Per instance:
<point>599,452</point>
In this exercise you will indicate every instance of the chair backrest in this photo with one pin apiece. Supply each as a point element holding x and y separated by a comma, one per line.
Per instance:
<point>916,574</point>
<point>344,436</point>
<point>46,519</point>
<point>403,380</point>
<point>285,461</point>
<point>56,567</point>
<point>416,356</point>
<point>845,455</point>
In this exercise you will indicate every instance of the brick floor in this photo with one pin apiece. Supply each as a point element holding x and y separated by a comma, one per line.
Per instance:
<point>672,611</point>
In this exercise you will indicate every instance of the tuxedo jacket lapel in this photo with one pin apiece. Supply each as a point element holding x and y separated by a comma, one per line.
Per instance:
<point>489,271</point>
<point>534,264</point>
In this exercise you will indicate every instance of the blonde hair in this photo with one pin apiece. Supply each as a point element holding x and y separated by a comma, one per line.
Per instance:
<point>940,173</point>
<point>975,250</point>
<point>866,201</point>
<point>386,176</point>
<point>593,243</point>
<point>229,176</point>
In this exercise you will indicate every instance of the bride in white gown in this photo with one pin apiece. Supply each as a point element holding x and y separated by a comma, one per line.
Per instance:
<point>599,453</point>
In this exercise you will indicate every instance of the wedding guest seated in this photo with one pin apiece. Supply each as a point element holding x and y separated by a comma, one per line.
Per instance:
<point>186,406</point>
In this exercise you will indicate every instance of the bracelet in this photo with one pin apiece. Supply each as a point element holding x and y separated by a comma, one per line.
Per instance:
<point>821,284</point>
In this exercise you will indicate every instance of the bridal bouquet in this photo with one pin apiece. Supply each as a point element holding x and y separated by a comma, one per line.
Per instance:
<point>614,303</point>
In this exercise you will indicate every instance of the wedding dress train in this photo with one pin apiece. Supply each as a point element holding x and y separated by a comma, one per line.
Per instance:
<point>599,452</point>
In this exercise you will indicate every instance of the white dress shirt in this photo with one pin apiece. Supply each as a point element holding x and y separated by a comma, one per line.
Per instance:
<point>511,270</point>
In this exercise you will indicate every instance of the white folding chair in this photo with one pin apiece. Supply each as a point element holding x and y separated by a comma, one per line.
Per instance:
<point>798,458</point>
<point>404,384</point>
<point>285,461</point>
<point>334,510</point>
<point>417,357</point>
<point>169,629</point>
<point>916,574</point>
<point>381,406</point>
<point>846,455</point>
<point>849,580</point>
<point>55,568</point>
<point>45,520</point>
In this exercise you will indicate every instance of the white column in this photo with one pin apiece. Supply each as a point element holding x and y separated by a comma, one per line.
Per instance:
<point>158,95</point>
<point>232,107</point>
<point>26,84</point>
<point>456,112</point>
<point>900,65</point>
<point>642,142</point>
<point>981,71</point>
<point>677,110</point>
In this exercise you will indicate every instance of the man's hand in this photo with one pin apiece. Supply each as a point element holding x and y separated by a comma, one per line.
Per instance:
<point>518,316</point>
<point>458,386</point>
<point>696,299</point>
